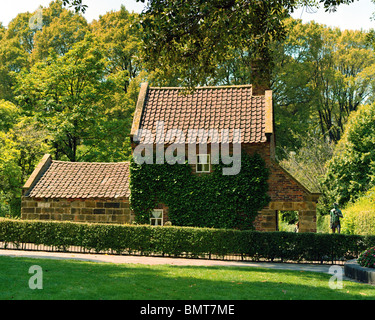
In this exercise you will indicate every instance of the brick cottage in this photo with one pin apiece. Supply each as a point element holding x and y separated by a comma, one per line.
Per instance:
<point>99,192</point>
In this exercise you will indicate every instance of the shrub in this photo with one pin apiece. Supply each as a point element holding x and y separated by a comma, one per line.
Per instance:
<point>186,241</point>
<point>359,217</point>
<point>367,258</point>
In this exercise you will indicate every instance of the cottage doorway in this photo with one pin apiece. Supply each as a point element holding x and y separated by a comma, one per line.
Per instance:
<point>288,220</point>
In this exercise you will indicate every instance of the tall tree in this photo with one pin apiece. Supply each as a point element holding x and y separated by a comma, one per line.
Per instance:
<point>351,171</point>
<point>194,37</point>
<point>321,75</point>
<point>16,44</point>
<point>67,94</point>
<point>59,33</point>
<point>22,144</point>
<point>121,42</point>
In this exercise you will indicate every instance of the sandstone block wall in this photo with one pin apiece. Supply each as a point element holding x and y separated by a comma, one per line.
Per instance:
<point>79,210</point>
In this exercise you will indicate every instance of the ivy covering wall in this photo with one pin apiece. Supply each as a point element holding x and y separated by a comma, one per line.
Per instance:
<point>201,200</point>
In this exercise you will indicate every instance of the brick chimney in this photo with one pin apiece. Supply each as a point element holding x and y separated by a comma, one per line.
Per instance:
<point>260,77</point>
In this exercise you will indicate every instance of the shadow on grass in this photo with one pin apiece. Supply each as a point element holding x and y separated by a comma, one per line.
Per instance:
<point>71,280</point>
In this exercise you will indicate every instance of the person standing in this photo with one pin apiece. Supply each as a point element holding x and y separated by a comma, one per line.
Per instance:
<point>335,215</point>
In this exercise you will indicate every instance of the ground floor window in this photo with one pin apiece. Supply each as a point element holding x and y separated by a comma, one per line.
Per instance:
<point>156,217</point>
<point>203,163</point>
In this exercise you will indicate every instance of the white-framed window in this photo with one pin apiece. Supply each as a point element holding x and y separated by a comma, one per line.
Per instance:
<point>156,217</point>
<point>203,163</point>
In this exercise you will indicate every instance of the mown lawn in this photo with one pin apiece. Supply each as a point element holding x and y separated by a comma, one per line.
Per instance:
<point>71,280</point>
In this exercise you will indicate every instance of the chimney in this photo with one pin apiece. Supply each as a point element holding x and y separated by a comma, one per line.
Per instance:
<point>260,77</point>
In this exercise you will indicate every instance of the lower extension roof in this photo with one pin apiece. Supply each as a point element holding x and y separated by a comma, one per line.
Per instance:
<point>78,180</point>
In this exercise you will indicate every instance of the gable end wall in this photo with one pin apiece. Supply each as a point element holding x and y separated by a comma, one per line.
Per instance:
<point>286,194</point>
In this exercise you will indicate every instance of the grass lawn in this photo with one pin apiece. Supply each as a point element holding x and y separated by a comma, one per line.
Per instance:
<point>70,279</point>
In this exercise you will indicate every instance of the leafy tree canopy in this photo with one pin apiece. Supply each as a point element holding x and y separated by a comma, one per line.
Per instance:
<point>335,71</point>
<point>351,171</point>
<point>194,37</point>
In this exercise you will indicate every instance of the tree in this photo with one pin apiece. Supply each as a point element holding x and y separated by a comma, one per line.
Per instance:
<point>9,114</point>
<point>351,171</point>
<point>16,43</point>
<point>194,37</point>
<point>22,144</point>
<point>10,174</point>
<point>121,42</point>
<point>67,94</point>
<point>335,75</point>
<point>59,34</point>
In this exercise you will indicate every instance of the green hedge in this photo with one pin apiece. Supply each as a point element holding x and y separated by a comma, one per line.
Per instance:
<point>186,241</point>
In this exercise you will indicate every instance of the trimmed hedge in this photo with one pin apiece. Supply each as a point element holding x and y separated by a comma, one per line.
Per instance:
<point>186,241</point>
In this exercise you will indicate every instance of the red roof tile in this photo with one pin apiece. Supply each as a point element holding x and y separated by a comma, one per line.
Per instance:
<point>206,108</point>
<point>78,180</point>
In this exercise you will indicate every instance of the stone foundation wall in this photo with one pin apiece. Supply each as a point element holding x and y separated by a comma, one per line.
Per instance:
<point>78,210</point>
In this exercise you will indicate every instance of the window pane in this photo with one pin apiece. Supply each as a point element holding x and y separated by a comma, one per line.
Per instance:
<point>156,214</point>
<point>156,222</point>
<point>156,217</point>
<point>203,158</point>
<point>203,163</point>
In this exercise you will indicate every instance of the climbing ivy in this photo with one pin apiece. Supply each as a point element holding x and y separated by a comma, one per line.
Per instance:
<point>201,200</point>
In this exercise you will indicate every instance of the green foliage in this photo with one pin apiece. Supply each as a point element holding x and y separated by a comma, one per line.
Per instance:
<point>59,34</point>
<point>290,217</point>
<point>323,223</point>
<point>186,241</point>
<point>359,217</point>
<point>352,169</point>
<point>82,86</point>
<point>21,146</point>
<point>68,89</point>
<point>121,42</point>
<point>367,258</point>
<point>66,93</point>
<point>192,38</point>
<point>335,75</point>
<point>8,115</point>
<point>208,200</point>
<point>10,173</point>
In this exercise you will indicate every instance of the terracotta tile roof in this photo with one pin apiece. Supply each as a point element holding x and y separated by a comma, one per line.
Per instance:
<point>232,107</point>
<point>80,180</point>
